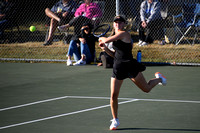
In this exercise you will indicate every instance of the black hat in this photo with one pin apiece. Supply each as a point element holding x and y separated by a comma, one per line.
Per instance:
<point>89,25</point>
<point>119,18</point>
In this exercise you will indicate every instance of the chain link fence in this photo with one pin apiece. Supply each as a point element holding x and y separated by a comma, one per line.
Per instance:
<point>19,44</point>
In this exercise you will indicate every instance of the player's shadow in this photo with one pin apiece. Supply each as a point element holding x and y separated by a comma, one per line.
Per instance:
<point>160,129</point>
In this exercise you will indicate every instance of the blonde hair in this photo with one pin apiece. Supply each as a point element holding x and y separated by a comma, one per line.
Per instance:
<point>128,23</point>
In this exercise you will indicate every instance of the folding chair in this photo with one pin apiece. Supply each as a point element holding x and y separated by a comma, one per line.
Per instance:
<point>189,20</point>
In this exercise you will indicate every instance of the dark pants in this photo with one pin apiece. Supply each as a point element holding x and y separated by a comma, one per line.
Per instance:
<point>106,59</point>
<point>154,31</point>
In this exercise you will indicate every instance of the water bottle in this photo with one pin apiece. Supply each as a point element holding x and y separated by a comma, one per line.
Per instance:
<point>139,56</point>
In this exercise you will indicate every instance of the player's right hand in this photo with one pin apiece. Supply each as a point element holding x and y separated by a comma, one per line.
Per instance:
<point>101,44</point>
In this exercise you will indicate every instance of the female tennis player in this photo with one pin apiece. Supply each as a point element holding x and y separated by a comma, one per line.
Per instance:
<point>125,66</point>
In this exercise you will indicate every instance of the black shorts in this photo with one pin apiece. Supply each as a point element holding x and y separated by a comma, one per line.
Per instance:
<point>127,69</point>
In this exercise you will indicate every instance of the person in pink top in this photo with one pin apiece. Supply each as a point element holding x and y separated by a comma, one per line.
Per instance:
<point>89,10</point>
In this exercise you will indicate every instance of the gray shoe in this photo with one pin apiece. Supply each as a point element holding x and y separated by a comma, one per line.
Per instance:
<point>47,43</point>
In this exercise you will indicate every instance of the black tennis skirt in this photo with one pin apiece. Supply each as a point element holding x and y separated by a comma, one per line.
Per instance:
<point>127,69</point>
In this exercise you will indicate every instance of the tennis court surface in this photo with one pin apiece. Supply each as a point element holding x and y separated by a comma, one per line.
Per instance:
<point>54,98</point>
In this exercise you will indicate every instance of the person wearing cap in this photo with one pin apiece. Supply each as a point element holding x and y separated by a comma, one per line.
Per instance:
<point>125,66</point>
<point>83,47</point>
<point>151,22</point>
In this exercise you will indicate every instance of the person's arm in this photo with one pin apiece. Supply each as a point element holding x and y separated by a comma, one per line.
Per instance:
<point>79,10</point>
<point>107,50</point>
<point>103,40</point>
<point>155,13</point>
<point>115,37</point>
<point>97,11</point>
<point>142,11</point>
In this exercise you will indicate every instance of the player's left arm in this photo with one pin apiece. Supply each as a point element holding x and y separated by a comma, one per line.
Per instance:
<point>115,37</point>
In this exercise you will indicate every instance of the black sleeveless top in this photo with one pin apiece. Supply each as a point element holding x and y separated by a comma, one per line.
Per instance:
<point>125,66</point>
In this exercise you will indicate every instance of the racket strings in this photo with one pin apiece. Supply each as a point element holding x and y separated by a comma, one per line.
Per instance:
<point>101,30</point>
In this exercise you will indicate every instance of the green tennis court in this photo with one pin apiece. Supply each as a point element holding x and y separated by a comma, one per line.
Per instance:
<point>54,98</point>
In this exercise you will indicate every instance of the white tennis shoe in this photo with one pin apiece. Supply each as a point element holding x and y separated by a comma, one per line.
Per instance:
<point>115,123</point>
<point>143,44</point>
<point>69,63</point>
<point>140,42</point>
<point>164,80</point>
<point>80,62</point>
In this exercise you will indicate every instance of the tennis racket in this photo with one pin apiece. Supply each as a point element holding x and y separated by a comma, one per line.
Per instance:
<point>101,30</point>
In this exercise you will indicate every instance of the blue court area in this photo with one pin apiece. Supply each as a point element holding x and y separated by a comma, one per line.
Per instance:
<point>54,98</point>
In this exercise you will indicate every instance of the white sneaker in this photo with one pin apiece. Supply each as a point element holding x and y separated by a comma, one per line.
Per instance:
<point>69,63</point>
<point>62,28</point>
<point>144,44</point>
<point>115,123</point>
<point>140,42</point>
<point>80,62</point>
<point>164,80</point>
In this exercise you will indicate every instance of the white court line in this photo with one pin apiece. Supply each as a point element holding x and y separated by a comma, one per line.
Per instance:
<point>175,101</point>
<point>28,104</point>
<point>85,97</point>
<point>58,98</point>
<point>66,114</point>
<point>153,100</point>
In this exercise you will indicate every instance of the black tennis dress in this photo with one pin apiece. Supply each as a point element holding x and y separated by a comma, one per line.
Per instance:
<point>125,66</point>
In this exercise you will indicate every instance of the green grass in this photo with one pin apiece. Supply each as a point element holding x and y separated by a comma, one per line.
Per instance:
<point>29,46</point>
<point>151,53</point>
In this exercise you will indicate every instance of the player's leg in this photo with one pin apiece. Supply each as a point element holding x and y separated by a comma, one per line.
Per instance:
<point>86,52</point>
<point>53,25</point>
<point>142,35</point>
<point>51,14</point>
<point>145,86</point>
<point>52,28</point>
<point>72,51</point>
<point>115,88</point>
<point>150,32</point>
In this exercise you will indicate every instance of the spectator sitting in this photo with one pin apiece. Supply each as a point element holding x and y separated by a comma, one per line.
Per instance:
<point>86,42</point>
<point>89,10</point>
<point>106,59</point>
<point>61,13</point>
<point>151,20</point>
<point>86,13</point>
<point>6,13</point>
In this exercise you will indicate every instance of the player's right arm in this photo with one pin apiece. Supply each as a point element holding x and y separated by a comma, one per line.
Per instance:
<point>106,49</point>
